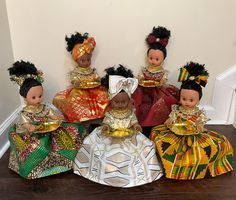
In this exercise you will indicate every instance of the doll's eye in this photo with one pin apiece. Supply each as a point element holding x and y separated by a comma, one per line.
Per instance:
<point>157,59</point>
<point>191,100</point>
<point>40,96</point>
<point>33,97</point>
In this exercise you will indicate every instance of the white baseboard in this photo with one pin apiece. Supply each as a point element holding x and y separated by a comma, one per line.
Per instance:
<point>4,148</point>
<point>4,128</point>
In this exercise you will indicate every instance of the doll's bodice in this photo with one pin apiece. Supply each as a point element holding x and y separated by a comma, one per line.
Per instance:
<point>84,75</point>
<point>152,77</point>
<point>186,121</point>
<point>156,75</point>
<point>120,119</point>
<point>33,115</point>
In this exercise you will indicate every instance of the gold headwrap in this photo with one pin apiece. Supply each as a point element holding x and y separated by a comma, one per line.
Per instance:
<point>80,49</point>
<point>21,78</point>
<point>200,79</point>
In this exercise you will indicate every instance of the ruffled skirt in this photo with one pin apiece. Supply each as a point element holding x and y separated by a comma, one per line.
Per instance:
<point>118,162</point>
<point>192,156</point>
<point>153,105</point>
<point>79,105</point>
<point>44,154</point>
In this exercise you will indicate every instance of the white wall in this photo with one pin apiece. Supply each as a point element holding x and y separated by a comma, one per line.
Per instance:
<point>9,98</point>
<point>202,30</point>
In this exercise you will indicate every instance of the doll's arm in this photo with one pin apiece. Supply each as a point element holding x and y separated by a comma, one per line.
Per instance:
<point>172,116</point>
<point>201,121</point>
<point>163,80</point>
<point>53,116</point>
<point>74,79</point>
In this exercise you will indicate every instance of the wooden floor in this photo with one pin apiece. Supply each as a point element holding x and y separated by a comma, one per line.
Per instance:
<point>69,186</point>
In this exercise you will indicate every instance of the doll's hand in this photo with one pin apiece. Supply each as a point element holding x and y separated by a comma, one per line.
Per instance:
<point>105,128</point>
<point>30,127</point>
<point>137,128</point>
<point>57,117</point>
<point>163,81</point>
<point>168,122</point>
<point>75,83</point>
<point>60,117</point>
<point>200,127</point>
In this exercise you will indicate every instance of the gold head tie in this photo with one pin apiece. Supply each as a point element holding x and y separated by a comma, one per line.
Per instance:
<point>86,47</point>
<point>21,78</point>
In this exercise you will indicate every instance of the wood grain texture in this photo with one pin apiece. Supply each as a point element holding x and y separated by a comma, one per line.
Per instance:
<point>69,186</point>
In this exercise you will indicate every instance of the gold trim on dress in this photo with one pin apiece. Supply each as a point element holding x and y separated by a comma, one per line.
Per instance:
<point>154,69</point>
<point>84,70</point>
<point>188,111</point>
<point>33,109</point>
<point>120,114</point>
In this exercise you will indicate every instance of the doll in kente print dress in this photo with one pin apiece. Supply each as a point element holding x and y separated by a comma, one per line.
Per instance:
<point>117,153</point>
<point>41,145</point>
<point>186,148</point>
<point>154,97</point>
<point>86,99</point>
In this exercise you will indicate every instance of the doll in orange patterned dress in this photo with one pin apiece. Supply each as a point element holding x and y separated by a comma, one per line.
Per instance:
<point>86,99</point>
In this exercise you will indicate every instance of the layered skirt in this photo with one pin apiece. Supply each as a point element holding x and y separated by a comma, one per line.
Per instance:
<point>153,104</point>
<point>192,156</point>
<point>118,162</point>
<point>79,105</point>
<point>44,154</point>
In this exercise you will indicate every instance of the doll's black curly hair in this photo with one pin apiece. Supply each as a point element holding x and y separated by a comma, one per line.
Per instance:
<point>75,39</point>
<point>158,39</point>
<point>21,68</point>
<point>120,70</point>
<point>194,69</point>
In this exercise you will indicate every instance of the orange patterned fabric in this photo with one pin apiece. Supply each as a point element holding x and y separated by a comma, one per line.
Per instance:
<point>79,105</point>
<point>80,49</point>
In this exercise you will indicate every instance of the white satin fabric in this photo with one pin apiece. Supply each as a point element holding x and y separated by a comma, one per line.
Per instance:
<point>118,162</point>
<point>118,83</point>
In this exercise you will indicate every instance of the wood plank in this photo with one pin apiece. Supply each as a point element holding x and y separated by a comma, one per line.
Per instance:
<point>69,186</point>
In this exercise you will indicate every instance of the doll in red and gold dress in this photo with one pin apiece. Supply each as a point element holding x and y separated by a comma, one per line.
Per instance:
<point>154,97</point>
<point>86,99</point>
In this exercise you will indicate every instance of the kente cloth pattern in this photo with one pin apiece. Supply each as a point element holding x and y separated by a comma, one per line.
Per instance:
<point>153,104</point>
<point>118,162</point>
<point>79,105</point>
<point>38,155</point>
<point>191,156</point>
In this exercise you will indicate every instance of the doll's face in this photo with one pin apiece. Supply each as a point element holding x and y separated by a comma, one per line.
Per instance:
<point>35,96</point>
<point>155,57</point>
<point>84,60</point>
<point>121,101</point>
<point>189,98</point>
